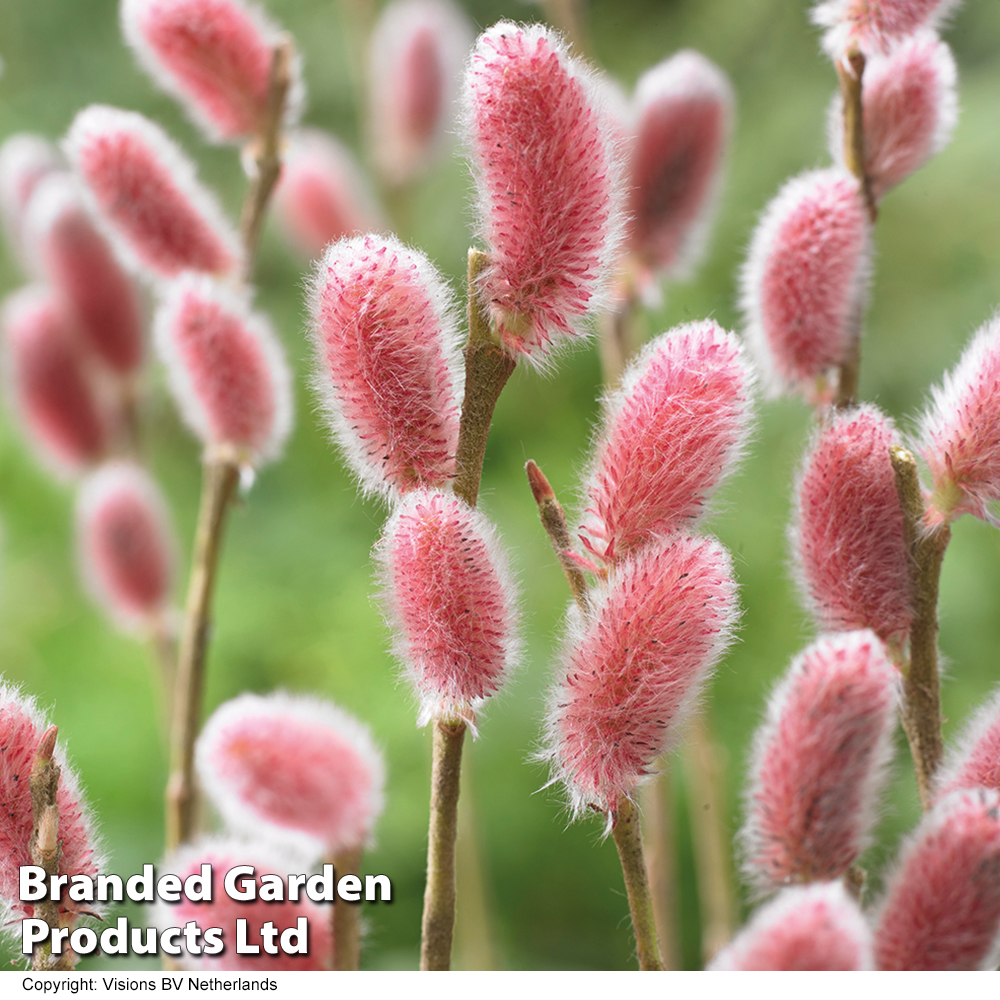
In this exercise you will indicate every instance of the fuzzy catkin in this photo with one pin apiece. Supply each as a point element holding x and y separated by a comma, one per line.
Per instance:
<point>974,760</point>
<point>874,26</point>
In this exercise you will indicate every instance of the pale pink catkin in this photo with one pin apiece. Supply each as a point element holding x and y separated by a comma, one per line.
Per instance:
<point>874,26</point>
<point>974,760</point>
<point>25,159</point>
<point>848,545</point>
<point>388,372</point>
<point>672,433</point>
<point>451,601</point>
<point>819,763</point>
<point>547,182</point>
<point>293,769</point>
<point>633,667</point>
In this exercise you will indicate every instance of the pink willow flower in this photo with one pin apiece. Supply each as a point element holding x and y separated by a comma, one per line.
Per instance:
<point>417,52</point>
<point>547,184</point>
<point>295,769</point>
<point>214,56</point>
<point>80,265</point>
<point>51,382</point>
<point>804,282</point>
<point>848,545</point>
<point>322,194</point>
<point>223,911</point>
<point>634,666</point>
<point>816,928</point>
<point>942,905</point>
<point>673,431</point>
<point>22,728</point>
<point>974,761</point>
<point>226,369</point>
<point>874,26</point>
<point>819,762</point>
<point>24,160</point>
<point>388,370</point>
<point>960,432</point>
<point>451,601</point>
<point>126,543</point>
<point>145,190</point>
<point>684,107</point>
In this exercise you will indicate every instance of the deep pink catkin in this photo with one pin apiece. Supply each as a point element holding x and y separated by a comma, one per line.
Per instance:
<point>322,195</point>
<point>418,48</point>
<point>632,670</point>
<point>816,928</point>
<point>804,282</point>
<point>270,865</point>
<point>145,190</point>
<point>848,545</point>
<point>672,433</point>
<point>51,381</point>
<point>22,727</point>
<point>974,761</point>
<point>960,432</point>
<point>452,602</point>
<point>24,160</point>
<point>126,543</point>
<point>819,762</point>
<point>547,184</point>
<point>684,109</point>
<point>942,905</point>
<point>875,26</point>
<point>388,371</point>
<point>214,56</point>
<point>226,368</point>
<point>297,770</point>
<point>81,267</point>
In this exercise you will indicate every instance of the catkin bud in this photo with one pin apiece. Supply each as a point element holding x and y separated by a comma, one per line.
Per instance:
<point>634,667</point>
<point>672,433</point>
<point>297,770</point>
<point>226,369</point>
<point>145,190</point>
<point>214,57</point>
<point>126,543</point>
<point>24,160</point>
<point>816,928</point>
<point>804,281</point>
<point>848,543</point>
<point>820,762</point>
<point>388,370</point>
<point>451,601</point>
<point>874,26</point>
<point>974,761</point>
<point>547,184</point>
<point>942,905</point>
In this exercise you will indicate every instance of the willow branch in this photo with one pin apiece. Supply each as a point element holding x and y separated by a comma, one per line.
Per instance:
<point>658,834</point>
<point>628,840</point>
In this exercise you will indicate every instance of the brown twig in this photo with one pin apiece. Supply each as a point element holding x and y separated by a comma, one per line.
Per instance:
<point>658,834</point>
<point>346,918</point>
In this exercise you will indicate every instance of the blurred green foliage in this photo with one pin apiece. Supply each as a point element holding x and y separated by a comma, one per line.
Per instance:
<point>295,606</point>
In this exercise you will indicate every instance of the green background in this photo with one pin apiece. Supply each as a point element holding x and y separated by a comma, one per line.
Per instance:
<point>295,606</point>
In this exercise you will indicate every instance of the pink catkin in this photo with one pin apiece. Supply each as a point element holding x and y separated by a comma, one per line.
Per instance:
<point>21,728</point>
<point>388,370</point>
<point>295,769</point>
<point>942,906</point>
<point>25,159</point>
<point>672,433</point>
<point>974,761</point>
<point>960,432</point>
<point>848,544</point>
<point>684,107</point>
<point>223,911</point>
<point>547,184</point>
<point>226,369</point>
<point>819,762</point>
<point>805,279</point>
<point>418,48</point>
<point>633,669</point>
<point>83,270</point>
<point>452,601</point>
<point>816,928</point>
<point>145,190</point>
<point>126,543</point>
<point>51,381</point>
<point>874,26</point>
<point>214,56</point>
<point>322,195</point>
